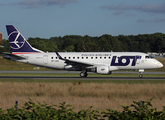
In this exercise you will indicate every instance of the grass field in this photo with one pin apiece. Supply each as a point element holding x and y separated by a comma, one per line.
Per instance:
<point>12,65</point>
<point>101,94</point>
<point>80,94</point>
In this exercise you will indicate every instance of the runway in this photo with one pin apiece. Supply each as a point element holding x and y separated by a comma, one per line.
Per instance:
<point>79,78</point>
<point>107,77</point>
<point>61,71</point>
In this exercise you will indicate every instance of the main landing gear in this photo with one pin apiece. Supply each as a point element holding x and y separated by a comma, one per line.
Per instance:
<point>83,74</point>
<point>140,73</point>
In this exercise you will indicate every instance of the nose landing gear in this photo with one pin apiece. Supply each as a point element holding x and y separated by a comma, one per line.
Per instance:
<point>140,73</point>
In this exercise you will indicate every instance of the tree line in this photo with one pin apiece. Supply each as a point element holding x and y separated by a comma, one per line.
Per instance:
<point>105,43</point>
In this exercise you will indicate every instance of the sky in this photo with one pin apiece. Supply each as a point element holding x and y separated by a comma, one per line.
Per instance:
<point>54,18</point>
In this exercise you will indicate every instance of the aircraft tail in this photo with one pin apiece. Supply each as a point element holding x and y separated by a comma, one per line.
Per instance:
<point>18,44</point>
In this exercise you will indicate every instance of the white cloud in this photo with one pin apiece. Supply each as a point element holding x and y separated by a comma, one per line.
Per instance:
<point>119,13</point>
<point>157,8</point>
<point>153,21</point>
<point>43,3</point>
<point>124,13</point>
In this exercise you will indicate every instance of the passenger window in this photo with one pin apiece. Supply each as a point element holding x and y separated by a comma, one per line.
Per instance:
<point>77,57</point>
<point>86,57</point>
<point>82,57</point>
<point>91,57</point>
<point>73,57</point>
<point>69,57</point>
<point>51,57</point>
<point>104,57</point>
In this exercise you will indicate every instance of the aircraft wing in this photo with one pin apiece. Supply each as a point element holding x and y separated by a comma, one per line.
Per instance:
<point>12,56</point>
<point>75,63</point>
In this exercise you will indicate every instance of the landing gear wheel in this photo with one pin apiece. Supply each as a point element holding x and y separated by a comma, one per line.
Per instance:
<point>83,74</point>
<point>140,75</point>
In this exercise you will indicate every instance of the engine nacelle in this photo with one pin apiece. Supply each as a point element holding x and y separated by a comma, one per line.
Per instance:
<point>103,70</point>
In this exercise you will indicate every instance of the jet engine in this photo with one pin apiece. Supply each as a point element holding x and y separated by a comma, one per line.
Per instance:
<point>101,70</point>
<point>104,69</point>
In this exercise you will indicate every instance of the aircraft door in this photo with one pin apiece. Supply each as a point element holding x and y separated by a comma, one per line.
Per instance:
<point>45,59</point>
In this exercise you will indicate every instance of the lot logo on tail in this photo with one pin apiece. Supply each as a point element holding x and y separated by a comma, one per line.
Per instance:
<point>16,40</point>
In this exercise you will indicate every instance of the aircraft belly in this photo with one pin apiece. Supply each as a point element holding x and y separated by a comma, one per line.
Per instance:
<point>56,64</point>
<point>127,67</point>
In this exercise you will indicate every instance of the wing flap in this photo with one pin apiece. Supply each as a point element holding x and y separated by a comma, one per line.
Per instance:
<point>75,63</point>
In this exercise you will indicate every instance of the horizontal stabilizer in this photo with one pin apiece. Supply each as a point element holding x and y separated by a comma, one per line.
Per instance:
<point>12,56</point>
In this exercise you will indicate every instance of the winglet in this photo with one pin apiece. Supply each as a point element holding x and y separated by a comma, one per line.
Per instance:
<point>58,55</point>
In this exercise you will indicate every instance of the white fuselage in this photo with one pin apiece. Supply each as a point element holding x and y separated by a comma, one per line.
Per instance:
<point>115,60</point>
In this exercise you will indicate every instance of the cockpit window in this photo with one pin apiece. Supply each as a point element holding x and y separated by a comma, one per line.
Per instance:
<point>147,57</point>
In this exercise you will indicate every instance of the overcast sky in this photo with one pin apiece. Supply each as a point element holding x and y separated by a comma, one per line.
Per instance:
<point>53,18</point>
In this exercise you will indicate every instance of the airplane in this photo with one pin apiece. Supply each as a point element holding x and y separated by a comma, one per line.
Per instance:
<point>98,62</point>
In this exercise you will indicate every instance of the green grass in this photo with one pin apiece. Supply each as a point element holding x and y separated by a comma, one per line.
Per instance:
<point>13,65</point>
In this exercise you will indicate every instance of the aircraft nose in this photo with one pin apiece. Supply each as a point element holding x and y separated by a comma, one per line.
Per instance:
<point>160,65</point>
